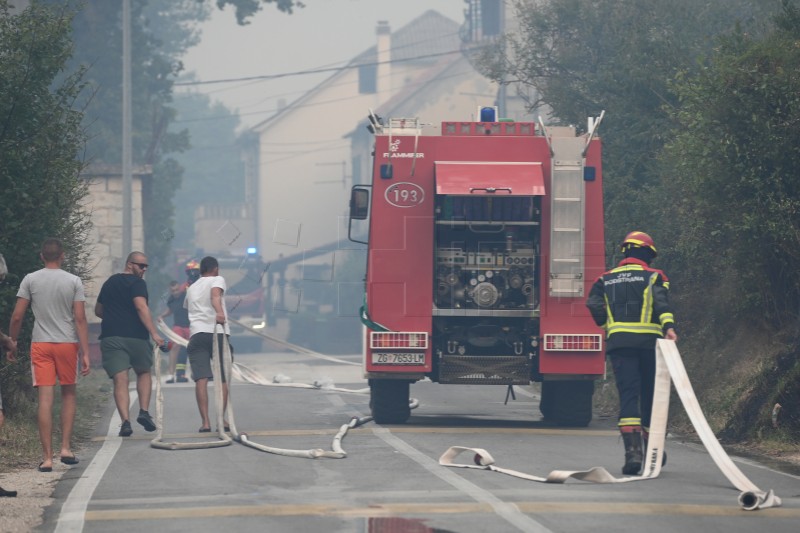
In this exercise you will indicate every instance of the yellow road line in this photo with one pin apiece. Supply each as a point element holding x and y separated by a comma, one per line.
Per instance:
<point>394,509</point>
<point>427,430</point>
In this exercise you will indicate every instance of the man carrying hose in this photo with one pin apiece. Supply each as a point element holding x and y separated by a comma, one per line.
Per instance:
<point>631,303</point>
<point>205,303</point>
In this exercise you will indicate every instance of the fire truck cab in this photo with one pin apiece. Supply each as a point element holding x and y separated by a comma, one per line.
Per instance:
<point>483,242</point>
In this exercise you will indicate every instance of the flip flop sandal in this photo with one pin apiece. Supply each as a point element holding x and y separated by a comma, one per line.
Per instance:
<point>204,430</point>
<point>70,460</point>
<point>41,468</point>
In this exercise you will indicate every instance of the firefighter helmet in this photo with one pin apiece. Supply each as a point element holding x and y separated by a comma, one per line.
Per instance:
<point>192,271</point>
<point>638,239</point>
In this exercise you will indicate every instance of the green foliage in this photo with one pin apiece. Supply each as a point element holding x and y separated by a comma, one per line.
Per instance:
<point>733,164</point>
<point>41,141</point>
<point>245,9</point>
<point>582,57</point>
<point>160,33</point>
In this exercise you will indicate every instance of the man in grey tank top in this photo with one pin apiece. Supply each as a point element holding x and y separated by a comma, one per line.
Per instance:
<point>59,332</point>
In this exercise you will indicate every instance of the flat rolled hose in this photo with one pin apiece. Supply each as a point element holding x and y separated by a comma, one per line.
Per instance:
<point>158,442</point>
<point>669,368</point>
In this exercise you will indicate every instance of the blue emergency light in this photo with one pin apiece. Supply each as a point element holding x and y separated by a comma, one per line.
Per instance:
<point>488,114</point>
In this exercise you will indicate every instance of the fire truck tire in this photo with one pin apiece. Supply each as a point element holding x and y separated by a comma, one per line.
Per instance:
<point>388,401</point>
<point>567,403</point>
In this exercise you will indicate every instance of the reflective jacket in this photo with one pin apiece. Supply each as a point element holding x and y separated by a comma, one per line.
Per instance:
<point>631,302</point>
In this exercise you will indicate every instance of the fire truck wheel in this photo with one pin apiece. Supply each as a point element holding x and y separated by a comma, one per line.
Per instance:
<point>389,401</point>
<point>567,403</point>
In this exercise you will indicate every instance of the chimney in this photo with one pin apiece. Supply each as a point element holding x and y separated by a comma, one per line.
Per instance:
<point>383,72</point>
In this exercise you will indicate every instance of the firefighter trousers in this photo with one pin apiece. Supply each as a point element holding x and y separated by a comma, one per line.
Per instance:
<point>635,373</point>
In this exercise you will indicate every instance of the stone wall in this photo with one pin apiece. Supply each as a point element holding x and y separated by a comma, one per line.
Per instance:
<point>105,204</point>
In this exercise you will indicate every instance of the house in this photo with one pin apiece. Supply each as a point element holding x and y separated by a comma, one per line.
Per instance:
<point>310,153</point>
<point>305,164</point>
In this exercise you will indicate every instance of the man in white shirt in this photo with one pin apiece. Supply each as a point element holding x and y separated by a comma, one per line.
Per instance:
<point>205,301</point>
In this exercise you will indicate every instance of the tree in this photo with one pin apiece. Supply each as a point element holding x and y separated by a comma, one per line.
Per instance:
<point>161,32</point>
<point>41,144</point>
<point>247,8</point>
<point>582,57</point>
<point>734,160</point>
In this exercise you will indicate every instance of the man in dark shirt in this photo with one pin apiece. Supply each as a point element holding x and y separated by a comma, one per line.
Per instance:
<point>125,333</point>
<point>180,325</point>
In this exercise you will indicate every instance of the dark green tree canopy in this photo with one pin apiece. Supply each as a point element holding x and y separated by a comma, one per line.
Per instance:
<point>41,147</point>
<point>247,8</point>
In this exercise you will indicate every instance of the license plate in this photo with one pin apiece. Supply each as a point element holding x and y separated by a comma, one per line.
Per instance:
<point>398,358</point>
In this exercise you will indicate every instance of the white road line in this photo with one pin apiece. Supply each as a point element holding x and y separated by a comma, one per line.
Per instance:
<point>507,511</point>
<point>71,517</point>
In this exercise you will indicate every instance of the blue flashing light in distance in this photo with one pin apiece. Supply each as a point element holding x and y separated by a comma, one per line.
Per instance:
<point>252,250</point>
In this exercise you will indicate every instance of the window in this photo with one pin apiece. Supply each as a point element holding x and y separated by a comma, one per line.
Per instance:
<point>367,79</point>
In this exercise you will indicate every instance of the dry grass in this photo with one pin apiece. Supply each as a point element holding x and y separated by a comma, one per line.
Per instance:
<point>19,438</point>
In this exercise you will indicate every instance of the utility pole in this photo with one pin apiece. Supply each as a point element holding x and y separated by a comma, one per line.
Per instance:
<point>501,91</point>
<point>127,186</point>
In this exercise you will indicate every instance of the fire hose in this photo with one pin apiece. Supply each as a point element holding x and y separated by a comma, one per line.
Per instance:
<point>242,372</point>
<point>669,366</point>
<point>158,441</point>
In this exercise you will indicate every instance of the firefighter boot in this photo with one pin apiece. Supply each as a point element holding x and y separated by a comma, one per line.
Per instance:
<point>632,438</point>
<point>645,438</point>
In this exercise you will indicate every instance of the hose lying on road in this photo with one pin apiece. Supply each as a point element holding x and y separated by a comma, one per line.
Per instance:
<point>158,442</point>
<point>230,370</point>
<point>249,375</point>
<point>227,360</point>
<point>294,347</point>
<point>668,364</point>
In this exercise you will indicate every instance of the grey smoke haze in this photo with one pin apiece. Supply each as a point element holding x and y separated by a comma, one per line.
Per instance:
<point>326,33</point>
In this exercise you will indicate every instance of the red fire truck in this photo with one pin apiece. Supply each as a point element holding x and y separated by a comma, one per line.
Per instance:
<point>483,242</point>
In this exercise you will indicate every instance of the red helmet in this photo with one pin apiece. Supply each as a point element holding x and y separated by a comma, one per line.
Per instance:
<point>638,239</point>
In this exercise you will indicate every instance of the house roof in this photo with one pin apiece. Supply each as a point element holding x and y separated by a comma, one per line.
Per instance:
<point>423,39</point>
<point>430,38</point>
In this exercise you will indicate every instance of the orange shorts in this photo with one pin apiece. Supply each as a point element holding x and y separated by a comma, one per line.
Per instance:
<point>54,359</point>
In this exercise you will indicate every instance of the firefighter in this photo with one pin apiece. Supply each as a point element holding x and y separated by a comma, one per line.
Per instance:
<point>631,303</point>
<point>192,271</point>
<point>178,355</point>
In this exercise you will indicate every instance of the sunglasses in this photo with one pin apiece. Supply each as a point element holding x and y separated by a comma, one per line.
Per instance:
<point>140,265</point>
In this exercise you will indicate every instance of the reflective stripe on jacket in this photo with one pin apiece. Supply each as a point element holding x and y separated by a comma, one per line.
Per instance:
<point>631,302</point>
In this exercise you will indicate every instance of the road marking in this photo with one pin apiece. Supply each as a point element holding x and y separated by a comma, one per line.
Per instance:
<point>427,429</point>
<point>508,511</point>
<point>397,509</point>
<point>73,512</point>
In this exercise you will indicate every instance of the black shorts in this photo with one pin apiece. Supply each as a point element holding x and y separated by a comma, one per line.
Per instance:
<point>200,349</point>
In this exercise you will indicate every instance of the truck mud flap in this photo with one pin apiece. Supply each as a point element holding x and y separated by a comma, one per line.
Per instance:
<point>668,365</point>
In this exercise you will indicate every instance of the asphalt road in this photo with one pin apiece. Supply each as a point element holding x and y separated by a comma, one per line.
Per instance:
<point>391,480</point>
